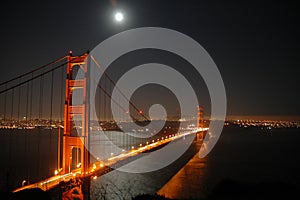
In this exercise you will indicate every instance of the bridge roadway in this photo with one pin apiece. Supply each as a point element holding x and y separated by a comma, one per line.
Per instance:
<point>102,167</point>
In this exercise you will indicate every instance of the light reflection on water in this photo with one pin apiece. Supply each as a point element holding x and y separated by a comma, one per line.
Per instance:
<point>188,182</point>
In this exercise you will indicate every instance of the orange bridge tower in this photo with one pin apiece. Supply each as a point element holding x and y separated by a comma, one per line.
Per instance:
<point>76,141</point>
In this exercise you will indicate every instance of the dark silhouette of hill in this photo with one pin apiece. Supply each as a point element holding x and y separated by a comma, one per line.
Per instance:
<point>34,193</point>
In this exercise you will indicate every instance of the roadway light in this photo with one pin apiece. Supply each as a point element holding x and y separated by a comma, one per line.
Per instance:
<point>23,183</point>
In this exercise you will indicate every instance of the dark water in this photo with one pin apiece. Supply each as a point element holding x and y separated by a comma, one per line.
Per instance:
<point>259,158</point>
<point>26,155</point>
<point>256,155</point>
<point>245,155</point>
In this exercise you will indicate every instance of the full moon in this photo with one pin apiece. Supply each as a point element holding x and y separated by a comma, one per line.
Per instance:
<point>119,17</point>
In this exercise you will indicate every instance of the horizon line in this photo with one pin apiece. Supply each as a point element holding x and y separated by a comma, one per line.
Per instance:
<point>264,117</point>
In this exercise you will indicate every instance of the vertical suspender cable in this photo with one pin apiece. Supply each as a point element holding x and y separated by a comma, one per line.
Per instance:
<point>5,121</point>
<point>4,109</point>
<point>12,106</point>
<point>30,117</point>
<point>30,106</point>
<point>10,139</point>
<point>27,101</point>
<point>18,111</point>
<point>40,122</point>
<point>26,131</point>
<point>106,143</point>
<point>104,105</point>
<point>99,120</point>
<point>119,114</point>
<point>19,99</point>
<point>108,120</point>
<point>50,121</point>
<point>60,118</point>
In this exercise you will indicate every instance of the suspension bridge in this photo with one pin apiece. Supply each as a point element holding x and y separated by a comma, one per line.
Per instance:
<point>39,115</point>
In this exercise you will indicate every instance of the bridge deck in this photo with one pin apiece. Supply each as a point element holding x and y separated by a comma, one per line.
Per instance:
<point>101,167</point>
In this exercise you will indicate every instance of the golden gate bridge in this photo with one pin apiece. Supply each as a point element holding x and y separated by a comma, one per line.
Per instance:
<point>42,100</point>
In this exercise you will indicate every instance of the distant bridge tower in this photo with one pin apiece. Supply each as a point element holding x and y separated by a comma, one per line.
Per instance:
<point>200,124</point>
<point>200,117</point>
<point>75,145</point>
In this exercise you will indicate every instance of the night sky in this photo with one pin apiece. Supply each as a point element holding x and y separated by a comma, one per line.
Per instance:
<point>255,44</point>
